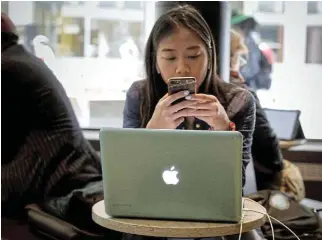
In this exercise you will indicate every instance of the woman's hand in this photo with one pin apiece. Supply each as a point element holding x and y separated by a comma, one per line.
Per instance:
<point>168,116</point>
<point>208,108</point>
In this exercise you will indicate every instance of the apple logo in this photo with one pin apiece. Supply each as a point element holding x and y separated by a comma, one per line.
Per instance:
<point>170,176</point>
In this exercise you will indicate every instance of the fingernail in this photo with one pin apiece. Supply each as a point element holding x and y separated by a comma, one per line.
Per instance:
<point>188,97</point>
<point>186,93</point>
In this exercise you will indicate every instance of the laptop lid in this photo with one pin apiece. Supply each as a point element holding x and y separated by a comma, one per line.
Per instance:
<point>172,174</point>
<point>285,123</point>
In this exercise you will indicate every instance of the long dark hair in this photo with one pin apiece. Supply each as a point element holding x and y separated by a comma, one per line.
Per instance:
<point>154,87</point>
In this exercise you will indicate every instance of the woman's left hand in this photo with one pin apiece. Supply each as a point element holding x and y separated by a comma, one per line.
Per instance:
<point>208,109</point>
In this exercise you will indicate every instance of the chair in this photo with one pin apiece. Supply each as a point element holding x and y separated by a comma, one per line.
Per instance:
<point>250,184</point>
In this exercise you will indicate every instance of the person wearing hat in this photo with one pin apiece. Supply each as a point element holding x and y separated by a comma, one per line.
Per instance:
<point>257,71</point>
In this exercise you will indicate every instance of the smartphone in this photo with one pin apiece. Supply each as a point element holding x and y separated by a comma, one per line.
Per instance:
<point>178,84</point>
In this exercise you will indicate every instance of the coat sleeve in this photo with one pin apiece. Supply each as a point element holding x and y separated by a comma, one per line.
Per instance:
<point>268,158</point>
<point>245,124</point>
<point>266,148</point>
<point>54,157</point>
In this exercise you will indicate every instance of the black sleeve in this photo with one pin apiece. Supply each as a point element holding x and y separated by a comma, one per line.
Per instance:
<point>245,123</point>
<point>48,103</point>
<point>54,157</point>
<point>266,150</point>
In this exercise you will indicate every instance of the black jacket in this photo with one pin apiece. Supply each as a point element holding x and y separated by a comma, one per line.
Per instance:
<point>267,156</point>
<point>240,108</point>
<point>44,153</point>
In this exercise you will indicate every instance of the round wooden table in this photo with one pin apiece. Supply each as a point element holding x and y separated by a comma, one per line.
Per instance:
<point>178,229</point>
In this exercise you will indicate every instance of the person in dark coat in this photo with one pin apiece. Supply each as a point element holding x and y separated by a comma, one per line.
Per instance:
<point>44,153</point>
<point>181,45</point>
<point>43,145</point>
<point>267,156</point>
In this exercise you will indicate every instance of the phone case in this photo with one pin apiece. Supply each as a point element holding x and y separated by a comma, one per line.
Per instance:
<point>181,84</point>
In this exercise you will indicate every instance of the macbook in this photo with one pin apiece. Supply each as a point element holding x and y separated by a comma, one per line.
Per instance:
<point>172,174</point>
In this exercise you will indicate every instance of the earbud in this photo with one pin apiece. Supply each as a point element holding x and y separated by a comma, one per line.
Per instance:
<point>158,71</point>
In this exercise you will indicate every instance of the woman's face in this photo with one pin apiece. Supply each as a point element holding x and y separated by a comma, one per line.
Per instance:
<point>182,54</point>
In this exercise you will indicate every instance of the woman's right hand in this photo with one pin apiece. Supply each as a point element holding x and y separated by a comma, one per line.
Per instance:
<point>167,116</point>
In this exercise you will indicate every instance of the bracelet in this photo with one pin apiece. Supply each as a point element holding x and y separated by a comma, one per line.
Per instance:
<point>232,126</point>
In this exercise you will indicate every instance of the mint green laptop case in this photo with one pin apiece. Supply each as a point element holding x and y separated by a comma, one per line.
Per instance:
<point>209,166</point>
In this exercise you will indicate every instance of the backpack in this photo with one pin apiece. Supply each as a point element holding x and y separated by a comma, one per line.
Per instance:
<point>263,79</point>
<point>292,181</point>
<point>303,221</point>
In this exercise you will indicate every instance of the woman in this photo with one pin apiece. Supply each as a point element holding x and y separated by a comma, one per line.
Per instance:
<point>267,156</point>
<point>237,52</point>
<point>180,45</point>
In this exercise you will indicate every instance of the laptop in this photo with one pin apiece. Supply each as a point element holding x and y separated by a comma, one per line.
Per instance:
<point>286,124</point>
<point>172,174</point>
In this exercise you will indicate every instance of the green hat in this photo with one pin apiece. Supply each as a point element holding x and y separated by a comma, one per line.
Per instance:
<point>237,18</point>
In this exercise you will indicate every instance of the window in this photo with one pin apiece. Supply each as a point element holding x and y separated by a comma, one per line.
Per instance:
<point>314,7</point>
<point>314,44</point>
<point>273,36</point>
<point>270,7</point>
<point>70,37</point>
<point>107,4</point>
<point>236,6</point>
<point>133,4</point>
<point>122,4</point>
<point>4,7</point>
<point>293,29</point>
<point>74,3</point>
<point>97,53</point>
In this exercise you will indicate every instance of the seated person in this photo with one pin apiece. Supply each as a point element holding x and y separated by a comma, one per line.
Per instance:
<point>181,45</point>
<point>175,49</point>
<point>44,152</point>
<point>267,156</point>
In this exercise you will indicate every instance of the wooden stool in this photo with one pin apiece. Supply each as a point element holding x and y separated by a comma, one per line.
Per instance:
<point>179,229</point>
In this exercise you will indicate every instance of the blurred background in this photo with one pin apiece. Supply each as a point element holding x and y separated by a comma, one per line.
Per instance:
<point>96,49</point>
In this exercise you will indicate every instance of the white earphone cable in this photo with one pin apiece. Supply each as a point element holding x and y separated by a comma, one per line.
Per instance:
<point>241,220</point>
